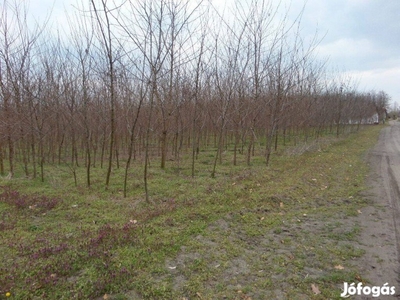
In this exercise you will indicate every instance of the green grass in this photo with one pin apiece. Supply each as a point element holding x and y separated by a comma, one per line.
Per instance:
<point>251,231</point>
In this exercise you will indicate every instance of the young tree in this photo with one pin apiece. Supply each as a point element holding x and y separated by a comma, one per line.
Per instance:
<point>82,39</point>
<point>18,39</point>
<point>102,17</point>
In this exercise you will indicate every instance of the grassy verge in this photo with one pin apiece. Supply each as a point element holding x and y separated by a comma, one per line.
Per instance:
<point>250,233</point>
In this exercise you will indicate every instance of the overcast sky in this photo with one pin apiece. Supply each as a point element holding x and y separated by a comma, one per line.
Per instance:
<point>361,37</point>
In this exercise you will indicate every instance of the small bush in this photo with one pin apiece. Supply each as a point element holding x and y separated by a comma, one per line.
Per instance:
<point>23,201</point>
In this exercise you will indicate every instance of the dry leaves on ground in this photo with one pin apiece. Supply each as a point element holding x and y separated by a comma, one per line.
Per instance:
<point>315,289</point>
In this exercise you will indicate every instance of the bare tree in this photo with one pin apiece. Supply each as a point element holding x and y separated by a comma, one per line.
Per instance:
<point>82,39</point>
<point>102,18</point>
<point>147,79</point>
<point>17,40</point>
<point>141,94</point>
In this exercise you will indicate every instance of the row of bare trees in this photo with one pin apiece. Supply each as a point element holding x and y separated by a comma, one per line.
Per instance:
<point>157,79</point>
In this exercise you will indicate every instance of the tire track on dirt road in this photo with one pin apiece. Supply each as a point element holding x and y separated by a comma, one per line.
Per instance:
<point>381,221</point>
<point>390,176</point>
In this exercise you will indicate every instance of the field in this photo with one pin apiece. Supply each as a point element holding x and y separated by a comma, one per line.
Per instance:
<point>286,231</point>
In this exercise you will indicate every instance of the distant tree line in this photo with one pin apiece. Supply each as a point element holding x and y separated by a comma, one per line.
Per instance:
<point>158,79</point>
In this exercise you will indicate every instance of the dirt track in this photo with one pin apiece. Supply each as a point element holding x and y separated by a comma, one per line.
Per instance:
<point>381,221</point>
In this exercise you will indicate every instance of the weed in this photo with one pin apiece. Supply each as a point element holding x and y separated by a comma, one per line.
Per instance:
<point>23,201</point>
<point>267,232</point>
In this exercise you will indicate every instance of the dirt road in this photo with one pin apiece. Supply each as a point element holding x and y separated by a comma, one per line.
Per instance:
<point>381,221</point>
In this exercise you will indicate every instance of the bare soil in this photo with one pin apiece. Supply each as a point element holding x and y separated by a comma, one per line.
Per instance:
<point>380,222</point>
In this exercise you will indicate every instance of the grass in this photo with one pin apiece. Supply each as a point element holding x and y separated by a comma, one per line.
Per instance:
<point>250,232</point>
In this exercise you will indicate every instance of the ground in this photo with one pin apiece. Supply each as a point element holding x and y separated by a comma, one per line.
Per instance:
<point>374,247</point>
<point>380,222</point>
<point>322,214</point>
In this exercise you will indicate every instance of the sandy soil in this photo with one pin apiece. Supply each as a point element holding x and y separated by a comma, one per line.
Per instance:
<point>381,221</point>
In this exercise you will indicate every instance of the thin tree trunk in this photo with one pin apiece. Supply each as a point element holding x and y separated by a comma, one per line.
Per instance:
<point>1,161</point>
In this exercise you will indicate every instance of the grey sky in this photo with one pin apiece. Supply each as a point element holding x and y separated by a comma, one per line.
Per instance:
<point>361,37</point>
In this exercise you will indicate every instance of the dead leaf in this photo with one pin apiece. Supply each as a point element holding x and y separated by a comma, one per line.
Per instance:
<point>105,296</point>
<point>315,289</point>
<point>199,295</point>
<point>359,211</point>
<point>243,295</point>
<point>358,277</point>
<point>281,205</point>
<point>262,218</point>
<point>339,267</point>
